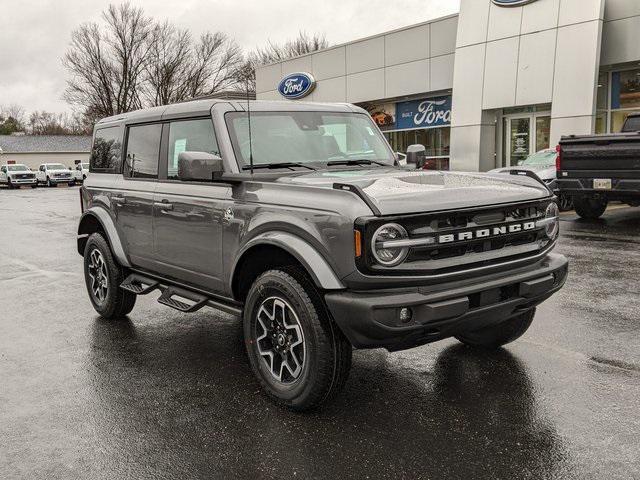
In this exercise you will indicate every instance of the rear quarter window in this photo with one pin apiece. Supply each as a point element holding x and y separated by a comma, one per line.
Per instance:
<point>106,153</point>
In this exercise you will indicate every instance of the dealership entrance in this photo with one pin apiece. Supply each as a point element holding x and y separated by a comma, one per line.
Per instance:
<point>525,132</point>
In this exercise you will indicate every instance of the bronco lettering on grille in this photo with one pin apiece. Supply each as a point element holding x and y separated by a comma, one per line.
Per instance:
<point>487,232</point>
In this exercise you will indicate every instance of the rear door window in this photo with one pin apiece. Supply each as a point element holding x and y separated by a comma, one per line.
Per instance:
<point>106,153</point>
<point>143,150</point>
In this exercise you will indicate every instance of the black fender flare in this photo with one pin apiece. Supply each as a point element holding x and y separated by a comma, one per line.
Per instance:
<point>109,227</point>
<point>314,263</point>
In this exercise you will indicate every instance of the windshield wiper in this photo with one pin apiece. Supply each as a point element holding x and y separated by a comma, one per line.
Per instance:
<point>278,165</point>
<point>361,161</point>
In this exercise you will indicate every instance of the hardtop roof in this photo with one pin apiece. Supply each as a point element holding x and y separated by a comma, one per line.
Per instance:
<point>197,108</point>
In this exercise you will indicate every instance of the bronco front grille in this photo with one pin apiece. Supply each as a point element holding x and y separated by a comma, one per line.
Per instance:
<point>462,239</point>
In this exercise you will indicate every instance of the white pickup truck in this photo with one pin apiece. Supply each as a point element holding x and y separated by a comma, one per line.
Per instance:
<point>51,174</point>
<point>81,171</point>
<point>16,175</point>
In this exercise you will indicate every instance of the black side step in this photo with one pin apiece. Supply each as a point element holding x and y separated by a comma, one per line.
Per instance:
<point>167,299</point>
<point>188,300</point>
<point>138,284</point>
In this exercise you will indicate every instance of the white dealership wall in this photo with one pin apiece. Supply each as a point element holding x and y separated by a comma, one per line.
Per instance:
<point>492,57</point>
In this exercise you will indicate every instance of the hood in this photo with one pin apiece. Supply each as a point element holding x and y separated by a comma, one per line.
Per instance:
<point>60,170</point>
<point>395,191</point>
<point>545,172</point>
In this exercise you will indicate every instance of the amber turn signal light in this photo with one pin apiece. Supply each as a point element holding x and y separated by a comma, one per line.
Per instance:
<point>357,242</point>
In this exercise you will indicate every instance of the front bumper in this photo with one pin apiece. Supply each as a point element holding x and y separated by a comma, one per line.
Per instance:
<point>370,319</point>
<point>23,181</point>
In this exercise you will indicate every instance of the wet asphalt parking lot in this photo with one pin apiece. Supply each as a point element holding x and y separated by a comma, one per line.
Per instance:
<point>168,395</point>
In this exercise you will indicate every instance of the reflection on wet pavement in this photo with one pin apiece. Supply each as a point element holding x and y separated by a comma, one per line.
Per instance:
<point>166,395</point>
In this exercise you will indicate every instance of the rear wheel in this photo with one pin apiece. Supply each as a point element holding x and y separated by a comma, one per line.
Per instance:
<point>103,276</point>
<point>589,208</point>
<point>296,351</point>
<point>498,335</point>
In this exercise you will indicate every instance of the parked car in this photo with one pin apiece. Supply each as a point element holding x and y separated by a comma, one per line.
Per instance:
<point>16,175</point>
<point>597,169</point>
<point>310,232</point>
<point>52,174</point>
<point>80,172</point>
<point>543,164</point>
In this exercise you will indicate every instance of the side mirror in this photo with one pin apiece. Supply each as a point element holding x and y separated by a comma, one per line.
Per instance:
<point>199,166</point>
<point>402,159</point>
<point>416,154</point>
<point>520,162</point>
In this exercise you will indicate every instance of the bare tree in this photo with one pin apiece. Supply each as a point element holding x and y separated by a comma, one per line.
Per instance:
<point>300,45</point>
<point>48,123</point>
<point>107,62</point>
<point>179,69</point>
<point>273,52</point>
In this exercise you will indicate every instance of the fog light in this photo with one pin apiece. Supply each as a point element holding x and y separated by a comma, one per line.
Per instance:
<point>405,315</point>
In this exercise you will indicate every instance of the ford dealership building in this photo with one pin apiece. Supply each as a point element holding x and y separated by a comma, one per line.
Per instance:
<point>486,87</point>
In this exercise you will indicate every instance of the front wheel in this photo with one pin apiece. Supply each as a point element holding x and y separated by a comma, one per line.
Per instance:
<point>589,208</point>
<point>103,276</point>
<point>565,203</point>
<point>498,335</point>
<point>298,354</point>
<point>49,184</point>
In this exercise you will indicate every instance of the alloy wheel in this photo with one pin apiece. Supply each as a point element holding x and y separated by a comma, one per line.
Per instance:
<point>99,276</point>
<point>280,340</point>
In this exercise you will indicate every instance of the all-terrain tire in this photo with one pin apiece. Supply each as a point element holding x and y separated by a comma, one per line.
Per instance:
<point>116,302</point>
<point>589,208</point>
<point>498,335</point>
<point>327,352</point>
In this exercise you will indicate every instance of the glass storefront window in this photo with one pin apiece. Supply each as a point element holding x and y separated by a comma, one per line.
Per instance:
<point>543,132</point>
<point>625,89</point>
<point>601,122</point>
<point>603,91</point>
<point>435,140</point>
<point>520,139</point>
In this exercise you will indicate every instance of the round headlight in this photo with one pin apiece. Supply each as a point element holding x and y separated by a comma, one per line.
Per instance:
<point>383,248</point>
<point>552,214</point>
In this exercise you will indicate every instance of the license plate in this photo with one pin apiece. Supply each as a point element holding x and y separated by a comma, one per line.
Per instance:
<point>602,184</point>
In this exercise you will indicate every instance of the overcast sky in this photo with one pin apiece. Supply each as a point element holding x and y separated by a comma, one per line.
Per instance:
<point>35,33</point>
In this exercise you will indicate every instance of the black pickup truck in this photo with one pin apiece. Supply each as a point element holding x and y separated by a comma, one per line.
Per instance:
<point>597,169</point>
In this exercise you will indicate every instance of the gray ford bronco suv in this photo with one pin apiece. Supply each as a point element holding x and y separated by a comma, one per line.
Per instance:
<point>297,218</point>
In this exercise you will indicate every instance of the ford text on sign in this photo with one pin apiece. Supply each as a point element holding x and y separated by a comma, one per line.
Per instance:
<point>296,85</point>
<point>433,112</point>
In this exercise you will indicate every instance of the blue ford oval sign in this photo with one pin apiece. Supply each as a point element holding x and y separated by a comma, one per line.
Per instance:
<point>296,85</point>
<point>512,3</point>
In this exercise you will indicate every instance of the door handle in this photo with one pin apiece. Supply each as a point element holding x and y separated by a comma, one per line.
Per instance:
<point>164,206</point>
<point>120,200</point>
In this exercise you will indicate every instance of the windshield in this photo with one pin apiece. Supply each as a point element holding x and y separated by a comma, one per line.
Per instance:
<point>56,166</point>
<point>17,168</point>
<point>85,166</point>
<point>546,157</point>
<point>306,137</point>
